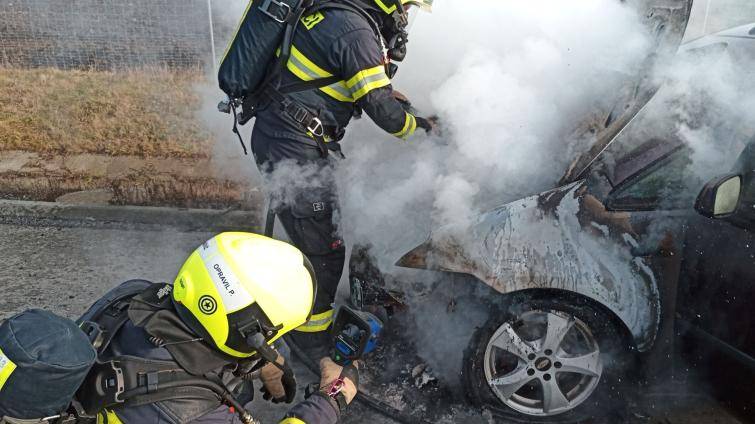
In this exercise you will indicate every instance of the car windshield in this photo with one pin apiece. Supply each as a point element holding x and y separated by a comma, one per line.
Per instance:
<point>668,183</point>
<point>659,175</point>
<point>649,136</point>
<point>663,158</point>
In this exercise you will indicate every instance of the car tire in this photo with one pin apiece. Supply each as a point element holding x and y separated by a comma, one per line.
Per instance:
<point>534,313</point>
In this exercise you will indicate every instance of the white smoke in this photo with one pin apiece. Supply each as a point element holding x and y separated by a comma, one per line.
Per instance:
<point>711,89</point>
<point>508,80</point>
<point>705,101</point>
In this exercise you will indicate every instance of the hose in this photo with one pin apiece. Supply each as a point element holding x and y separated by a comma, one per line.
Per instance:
<point>365,399</point>
<point>219,390</point>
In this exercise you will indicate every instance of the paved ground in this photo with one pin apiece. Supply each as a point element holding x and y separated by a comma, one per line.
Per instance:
<point>65,269</point>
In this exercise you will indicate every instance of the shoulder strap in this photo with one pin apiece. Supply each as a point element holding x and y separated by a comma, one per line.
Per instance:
<point>103,320</point>
<point>132,381</point>
<point>128,381</point>
<point>347,5</point>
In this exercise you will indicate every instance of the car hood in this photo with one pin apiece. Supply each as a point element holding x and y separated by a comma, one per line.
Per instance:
<point>563,239</point>
<point>666,21</point>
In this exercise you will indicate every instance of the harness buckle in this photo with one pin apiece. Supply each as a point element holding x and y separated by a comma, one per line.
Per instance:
<point>282,7</point>
<point>94,333</point>
<point>152,381</point>
<point>316,127</point>
<point>300,115</point>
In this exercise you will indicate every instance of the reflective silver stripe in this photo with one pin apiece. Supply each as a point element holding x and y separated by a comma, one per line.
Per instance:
<point>366,81</point>
<point>318,323</point>
<point>339,87</point>
<point>302,67</point>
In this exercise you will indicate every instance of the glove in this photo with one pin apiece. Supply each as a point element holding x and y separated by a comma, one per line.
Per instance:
<point>248,110</point>
<point>330,372</point>
<point>278,385</point>
<point>430,125</point>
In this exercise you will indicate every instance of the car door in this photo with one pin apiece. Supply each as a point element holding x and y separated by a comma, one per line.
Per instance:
<point>717,297</point>
<point>718,272</point>
<point>717,290</point>
<point>717,275</point>
<point>649,183</point>
<point>705,267</point>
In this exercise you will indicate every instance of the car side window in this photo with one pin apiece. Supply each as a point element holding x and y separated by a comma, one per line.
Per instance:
<point>666,184</point>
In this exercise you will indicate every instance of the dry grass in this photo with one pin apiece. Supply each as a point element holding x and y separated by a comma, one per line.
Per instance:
<point>147,113</point>
<point>156,189</point>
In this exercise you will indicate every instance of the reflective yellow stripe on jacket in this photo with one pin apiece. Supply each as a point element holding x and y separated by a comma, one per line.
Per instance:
<point>367,80</point>
<point>409,127</point>
<point>108,417</point>
<point>318,323</point>
<point>307,70</point>
<point>344,91</point>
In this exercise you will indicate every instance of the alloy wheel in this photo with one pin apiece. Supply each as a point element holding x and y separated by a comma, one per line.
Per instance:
<point>544,363</point>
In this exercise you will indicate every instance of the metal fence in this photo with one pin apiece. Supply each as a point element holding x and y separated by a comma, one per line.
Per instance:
<point>106,34</point>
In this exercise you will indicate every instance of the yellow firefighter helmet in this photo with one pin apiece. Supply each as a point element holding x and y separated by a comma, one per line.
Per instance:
<point>237,285</point>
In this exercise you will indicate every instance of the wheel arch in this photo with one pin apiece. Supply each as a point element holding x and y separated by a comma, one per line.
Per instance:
<point>574,298</point>
<point>558,240</point>
<point>636,305</point>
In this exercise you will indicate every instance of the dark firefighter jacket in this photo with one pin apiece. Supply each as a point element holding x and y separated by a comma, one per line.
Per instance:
<point>134,340</point>
<point>339,43</point>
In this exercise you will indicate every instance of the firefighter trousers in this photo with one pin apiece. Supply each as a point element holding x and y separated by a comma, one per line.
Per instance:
<point>304,196</point>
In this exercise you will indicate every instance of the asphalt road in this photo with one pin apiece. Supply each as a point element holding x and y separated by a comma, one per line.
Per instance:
<point>66,269</point>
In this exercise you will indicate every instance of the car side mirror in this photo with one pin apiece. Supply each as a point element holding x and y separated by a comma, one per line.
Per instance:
<point>720,197</point>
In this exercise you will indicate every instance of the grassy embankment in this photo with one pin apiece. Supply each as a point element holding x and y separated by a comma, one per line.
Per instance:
<point>135,132</point>
<point>140,113</point>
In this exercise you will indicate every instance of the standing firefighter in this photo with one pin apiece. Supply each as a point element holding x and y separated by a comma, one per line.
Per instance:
<point>331,62</point>
<point>179,353</point>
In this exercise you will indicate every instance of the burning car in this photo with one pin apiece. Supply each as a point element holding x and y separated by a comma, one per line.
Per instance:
<point>595,279</point>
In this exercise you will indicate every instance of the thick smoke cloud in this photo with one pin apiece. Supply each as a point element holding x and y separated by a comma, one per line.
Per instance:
<point>509,80</point>
<point>709,96</point>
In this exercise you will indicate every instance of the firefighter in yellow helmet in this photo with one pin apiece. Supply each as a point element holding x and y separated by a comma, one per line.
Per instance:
<point>191,351</point>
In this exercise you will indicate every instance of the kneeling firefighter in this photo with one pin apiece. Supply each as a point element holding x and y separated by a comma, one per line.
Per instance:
<point>331,61</point>
<point>179,353</point>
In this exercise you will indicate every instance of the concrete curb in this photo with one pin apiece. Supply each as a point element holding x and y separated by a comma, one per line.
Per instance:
<point>66,215</point>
